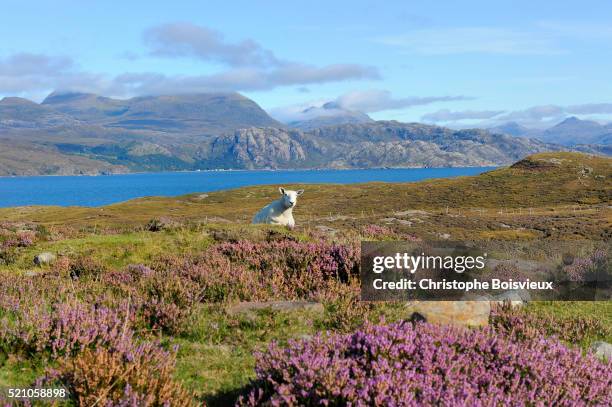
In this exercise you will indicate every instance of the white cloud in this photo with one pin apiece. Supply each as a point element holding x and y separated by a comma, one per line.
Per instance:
<point>536,116</point>
<point>366,101</point>
<point>446,115</point>
<point>248,67</point>
<point>190,40</point>
<point>375,100</point>
<point>475,40</point>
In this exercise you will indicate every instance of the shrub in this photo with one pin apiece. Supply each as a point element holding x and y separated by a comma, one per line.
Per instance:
<point>329,260</point>
<point>520,325</point>
<point>422,364</point>
<point>8,255</point>
<point>344,310</point>
<point>65,329</point>
<point>380,232</point>
<point>138,375</point>
<point>167,300</point>
<point>159,224</point>
<point>595,267</point>
<point>86,266</point>
<point>26,238</point>
<point>221,280</point>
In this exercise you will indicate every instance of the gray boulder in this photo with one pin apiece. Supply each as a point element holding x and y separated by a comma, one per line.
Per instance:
<point>44,258</point>
<point>602,350</point>
<point>461,313</point>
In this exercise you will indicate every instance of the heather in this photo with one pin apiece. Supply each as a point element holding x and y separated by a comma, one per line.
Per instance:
<point>142,303</point>
<point>422,364</point>
<point>162,324</point>
<point>519,325</point>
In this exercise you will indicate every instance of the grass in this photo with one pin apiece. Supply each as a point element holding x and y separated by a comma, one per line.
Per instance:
<point>119,250</point>
<point>543,197</point>
<point>541,181</point>
<point>217,354</point>
<point>601,310</point>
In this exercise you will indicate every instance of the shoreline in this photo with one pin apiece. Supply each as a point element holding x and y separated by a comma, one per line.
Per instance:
<point>489,167</point>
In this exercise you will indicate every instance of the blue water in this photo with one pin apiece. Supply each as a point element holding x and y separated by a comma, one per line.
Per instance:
<point>107,189</point>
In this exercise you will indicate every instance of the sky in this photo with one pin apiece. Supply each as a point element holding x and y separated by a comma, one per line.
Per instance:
<point>453,63</point>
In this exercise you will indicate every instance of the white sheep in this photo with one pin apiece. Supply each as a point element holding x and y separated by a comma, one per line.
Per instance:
<point>279,212</point>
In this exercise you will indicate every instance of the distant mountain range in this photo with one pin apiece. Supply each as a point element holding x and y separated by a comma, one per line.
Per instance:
<point>571,132</point>
<point>77,133</point>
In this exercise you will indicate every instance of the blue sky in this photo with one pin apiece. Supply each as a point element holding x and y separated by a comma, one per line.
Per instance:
<point>454,63</point>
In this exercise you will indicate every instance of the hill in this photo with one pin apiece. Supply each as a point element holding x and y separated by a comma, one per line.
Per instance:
<point>573,131</point>
<point>538,181</point>
<point>22,113</point>
<point>76,133</point>
<point>200,113</point>
<point>585,135</point>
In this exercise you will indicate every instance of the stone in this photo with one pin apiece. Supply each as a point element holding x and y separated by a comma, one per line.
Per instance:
<point>602,350</point>
<point>44,258</point>
<point>251,307</point>
<point>461,313</point>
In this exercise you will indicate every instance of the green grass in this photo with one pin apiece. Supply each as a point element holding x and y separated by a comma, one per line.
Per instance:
<point>601,310</point>
<point>217,354</point>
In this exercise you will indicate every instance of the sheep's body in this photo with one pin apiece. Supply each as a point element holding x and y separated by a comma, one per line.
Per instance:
<point>276,214</point>
<point>279,212</point>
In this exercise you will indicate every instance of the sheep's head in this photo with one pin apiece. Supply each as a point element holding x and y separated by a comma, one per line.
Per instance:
<point>290,197</point>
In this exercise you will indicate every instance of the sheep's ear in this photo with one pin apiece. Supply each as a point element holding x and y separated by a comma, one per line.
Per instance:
<point>281,190</point>
<point>300,191</point>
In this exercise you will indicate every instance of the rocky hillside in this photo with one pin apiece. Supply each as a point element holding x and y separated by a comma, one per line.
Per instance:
<point>75,133</point>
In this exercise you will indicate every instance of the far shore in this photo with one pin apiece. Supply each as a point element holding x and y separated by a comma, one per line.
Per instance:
<point>251,170</point>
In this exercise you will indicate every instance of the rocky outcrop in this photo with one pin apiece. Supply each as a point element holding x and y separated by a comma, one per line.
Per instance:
<point>258,148</point>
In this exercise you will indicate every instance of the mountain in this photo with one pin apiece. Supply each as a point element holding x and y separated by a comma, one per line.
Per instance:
<point>395,144</point>
<point>78,133</point>
<point>22,113</point>
<point>212,113</point>
<point>573,131</point>
<point>330,114</point>
<point>513,129</point>
<point>582,135</point>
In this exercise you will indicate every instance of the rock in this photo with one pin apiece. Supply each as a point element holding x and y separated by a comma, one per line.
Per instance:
<point>462,313</point>
<point>602,350</point>
<point>326,229</point>
<point>251,307</point>
<point>411,212</point>
<point>44,258</point>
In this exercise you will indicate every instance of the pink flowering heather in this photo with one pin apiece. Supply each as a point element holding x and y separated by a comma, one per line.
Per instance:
<point>26,238</point>
<point>409,365</point>
<point>587,268</point>
<point>380,232</point>
<point>376,230</point>
<point>328,259</point>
